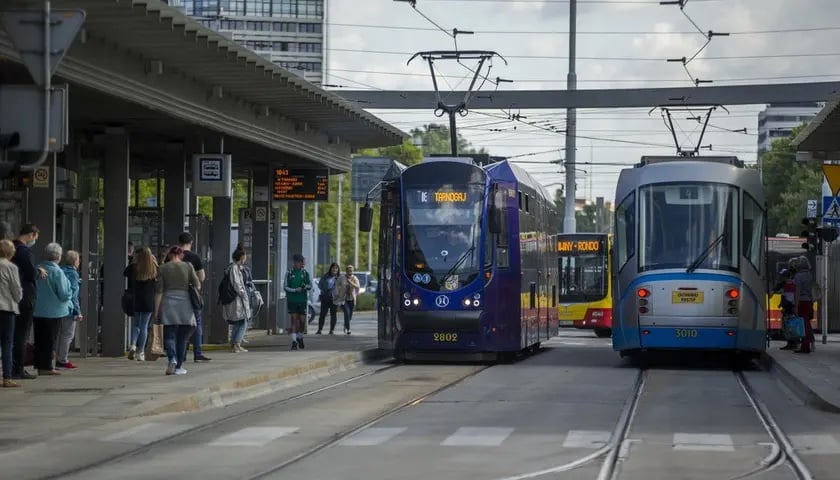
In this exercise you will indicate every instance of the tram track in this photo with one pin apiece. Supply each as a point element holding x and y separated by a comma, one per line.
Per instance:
<point>781,453</point>
<point>214,424</point>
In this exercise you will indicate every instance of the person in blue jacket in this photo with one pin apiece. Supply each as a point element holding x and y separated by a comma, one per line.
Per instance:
<point>67,326</point>
<point>52,304</point>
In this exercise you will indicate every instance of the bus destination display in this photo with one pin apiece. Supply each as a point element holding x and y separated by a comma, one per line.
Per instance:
<point>299,184</point>
<point>579,246</point>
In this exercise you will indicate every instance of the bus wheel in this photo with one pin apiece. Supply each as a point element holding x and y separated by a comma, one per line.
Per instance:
<point>603,332</point>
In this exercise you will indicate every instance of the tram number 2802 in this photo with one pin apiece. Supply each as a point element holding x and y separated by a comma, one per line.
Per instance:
<point>686,333</point>
<point>445,337</point>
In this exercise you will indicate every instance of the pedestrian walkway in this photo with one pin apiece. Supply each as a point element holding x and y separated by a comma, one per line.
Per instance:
<point>109,389</point>
<point>817,375</point>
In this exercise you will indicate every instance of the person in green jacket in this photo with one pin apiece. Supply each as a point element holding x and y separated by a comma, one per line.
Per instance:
<point>297,286</point>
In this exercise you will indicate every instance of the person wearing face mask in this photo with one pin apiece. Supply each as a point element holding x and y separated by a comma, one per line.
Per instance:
<point>28,276</point>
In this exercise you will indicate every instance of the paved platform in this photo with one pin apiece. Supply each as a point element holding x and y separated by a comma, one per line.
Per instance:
<point>814,377</point>
<point>109,389</point>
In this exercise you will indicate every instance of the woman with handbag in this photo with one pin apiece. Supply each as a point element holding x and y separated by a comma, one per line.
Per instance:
<point>142,274</point>
<point>237,312</point>
<point>175,303</point>
<point>328,285</point>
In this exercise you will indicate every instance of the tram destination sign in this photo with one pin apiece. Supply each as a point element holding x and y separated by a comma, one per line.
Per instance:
<point>301,184</point>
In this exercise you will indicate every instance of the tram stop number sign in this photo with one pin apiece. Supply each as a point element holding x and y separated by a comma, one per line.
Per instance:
<point>831,204</point>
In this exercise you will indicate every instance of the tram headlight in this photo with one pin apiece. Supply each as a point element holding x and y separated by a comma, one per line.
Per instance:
<point>416,301</point>
<point>406,295</point>
<point>467,302</point>
<point>477,296</point>
<point>476,303</point>
<point>407,302</point>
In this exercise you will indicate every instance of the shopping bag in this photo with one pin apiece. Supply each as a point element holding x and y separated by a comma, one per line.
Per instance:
<point>794,328</point>
<point>156,343</point>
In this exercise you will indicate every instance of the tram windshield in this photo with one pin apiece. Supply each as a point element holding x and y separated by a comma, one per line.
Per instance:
<point>688,225</point>
<point>443,234</point>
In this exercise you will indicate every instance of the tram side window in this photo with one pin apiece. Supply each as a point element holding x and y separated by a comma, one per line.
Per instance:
<point>625,230</point>
<point>502,249</point>
<point>753,229</point>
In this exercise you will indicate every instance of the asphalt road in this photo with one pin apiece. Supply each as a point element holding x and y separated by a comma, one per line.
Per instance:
<point>693,421</point>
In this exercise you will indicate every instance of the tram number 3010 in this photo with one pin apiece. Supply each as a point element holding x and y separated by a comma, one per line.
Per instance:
<point>686,333</point>
<point>445,337</point>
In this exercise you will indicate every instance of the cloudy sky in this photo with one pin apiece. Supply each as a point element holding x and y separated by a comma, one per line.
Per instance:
<point>621,44</point>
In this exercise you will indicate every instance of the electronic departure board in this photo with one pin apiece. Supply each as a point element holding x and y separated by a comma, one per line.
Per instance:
<point>301,184</point>
<point>579,246</point>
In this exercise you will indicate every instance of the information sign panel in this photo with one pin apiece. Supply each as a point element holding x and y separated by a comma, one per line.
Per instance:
<point>367,173</point>
<point>300,184</point>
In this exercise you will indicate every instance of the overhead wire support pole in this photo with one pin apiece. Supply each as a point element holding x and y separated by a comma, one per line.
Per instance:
<point>569,221</point>
<point>482,56</point>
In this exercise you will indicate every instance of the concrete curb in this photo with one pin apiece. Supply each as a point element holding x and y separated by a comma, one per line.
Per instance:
<point>227,393</point>
<point>811,395</point>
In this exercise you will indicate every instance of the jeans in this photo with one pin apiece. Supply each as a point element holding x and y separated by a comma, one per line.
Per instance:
<point>23,323</point>
<point>238,331</point>
<point>349,305</point>
<point>46,330</point>
<point>66,332</point>
<point>7,333</point>
<point>199,334</point>
<point>140,330</point>
<point>327,305</point>
<point>175,340</point>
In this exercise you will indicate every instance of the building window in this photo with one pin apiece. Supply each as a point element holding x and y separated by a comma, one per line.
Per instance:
<point>309,47</point>
<point>310,28</point>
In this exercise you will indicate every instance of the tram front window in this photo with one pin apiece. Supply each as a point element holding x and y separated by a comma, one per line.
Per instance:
<point>688,226</point>
<point>583,278</point>
<point>442,235</point>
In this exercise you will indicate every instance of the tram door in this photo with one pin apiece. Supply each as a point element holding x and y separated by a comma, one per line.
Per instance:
<point>388,291</point>
<point>77,228</point>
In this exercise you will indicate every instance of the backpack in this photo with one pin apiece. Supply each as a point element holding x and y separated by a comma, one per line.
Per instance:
<point>227,293</point>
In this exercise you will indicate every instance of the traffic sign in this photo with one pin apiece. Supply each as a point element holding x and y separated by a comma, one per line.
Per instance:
<point>831,210</point>
<point>811,210</point>
<point>832,174</point>
<point>26,30</point>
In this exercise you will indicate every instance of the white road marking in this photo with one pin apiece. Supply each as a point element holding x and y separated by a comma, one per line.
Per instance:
<point>253,436</point>
<point>586,439</point>
<point>816,444</point>
<point>703,442</point>
<point>478,437</point>
<point>372,436</point>
<point>146,433</point>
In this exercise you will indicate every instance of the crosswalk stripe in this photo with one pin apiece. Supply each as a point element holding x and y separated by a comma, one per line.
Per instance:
<point>586,439</point>
<point>253,436</point>
<point>816,444</point>
<point>372,436</point>
<point>477,437</point>
<point>703,442</point>
<point>147,433</point>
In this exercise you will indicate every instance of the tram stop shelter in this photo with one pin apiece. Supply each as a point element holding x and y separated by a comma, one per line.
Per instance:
<point>148,88</point>
<point>820,141</point>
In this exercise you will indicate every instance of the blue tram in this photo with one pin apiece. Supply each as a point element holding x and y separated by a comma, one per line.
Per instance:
<point>689,256</point>
<point>466,261</point>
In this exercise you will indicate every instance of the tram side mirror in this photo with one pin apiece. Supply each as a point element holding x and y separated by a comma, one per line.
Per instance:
<point>533,300</point>
<point>365,218</point>
<point>495,219</point>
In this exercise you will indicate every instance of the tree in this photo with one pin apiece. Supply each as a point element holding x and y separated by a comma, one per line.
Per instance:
<point>434,139</point>
<point>788,185</point>
<point>406,153</point>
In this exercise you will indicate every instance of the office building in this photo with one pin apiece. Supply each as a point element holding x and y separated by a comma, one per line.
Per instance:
<point>778,121</point>
<point>289,33</point>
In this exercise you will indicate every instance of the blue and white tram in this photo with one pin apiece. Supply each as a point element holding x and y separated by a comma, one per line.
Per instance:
<point>467,267</point>
<point>689,256</point>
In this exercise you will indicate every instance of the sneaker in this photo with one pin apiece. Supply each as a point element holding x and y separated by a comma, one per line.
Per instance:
<point>242,349</point>
<point>180,371</point>
<point>300,341</point>
<point>131,353</point>
<point>294,345</point>
<point>10,384</point>
<point>68,365</point>
<point>170,369</point>
<point>141,357</point>
<point>201,358</point>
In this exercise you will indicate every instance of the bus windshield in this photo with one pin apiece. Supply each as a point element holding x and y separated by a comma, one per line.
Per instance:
<point>443,234</point>
<point>583,269</point>
<point>688,225</point>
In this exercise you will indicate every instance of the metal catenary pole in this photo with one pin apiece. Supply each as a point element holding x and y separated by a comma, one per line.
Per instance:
<point>569,223</point>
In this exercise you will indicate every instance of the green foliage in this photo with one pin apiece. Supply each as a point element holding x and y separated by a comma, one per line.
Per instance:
<point>406,153</point>
<point>434,139</point>
<point>365,302</point>
<point>788,185</point>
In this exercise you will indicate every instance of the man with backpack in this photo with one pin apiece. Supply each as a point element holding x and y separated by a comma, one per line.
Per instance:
<point>297,286</point>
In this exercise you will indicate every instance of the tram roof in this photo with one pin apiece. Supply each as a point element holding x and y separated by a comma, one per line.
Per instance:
<point>525,178</point>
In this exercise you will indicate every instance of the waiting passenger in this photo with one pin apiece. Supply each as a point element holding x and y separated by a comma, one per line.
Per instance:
<point>804,281</point>
<point>142,276</point>
<point>237,312</point>
<point>51,306</point>
<point>67,326</point>
<point>788,302</point>
<point>329,292</point>
<point>11,294</point>
<point>173,307</point>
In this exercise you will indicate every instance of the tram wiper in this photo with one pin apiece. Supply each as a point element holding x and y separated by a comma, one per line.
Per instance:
<point>705,253</point>
<point>457,264</point>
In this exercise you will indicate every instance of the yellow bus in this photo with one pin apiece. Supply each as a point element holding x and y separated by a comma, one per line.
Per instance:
<point>585,296</point>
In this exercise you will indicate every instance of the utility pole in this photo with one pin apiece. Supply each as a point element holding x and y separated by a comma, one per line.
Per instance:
<point>569,223</point>
<point>338,221</point>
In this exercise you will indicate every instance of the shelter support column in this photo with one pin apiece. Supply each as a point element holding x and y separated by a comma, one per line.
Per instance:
<point>174,196</point>
<point>116,193</point>
<point>295,244</point>
<point>217,330</point>
<point>261,247</point>
<point>42,207</point>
